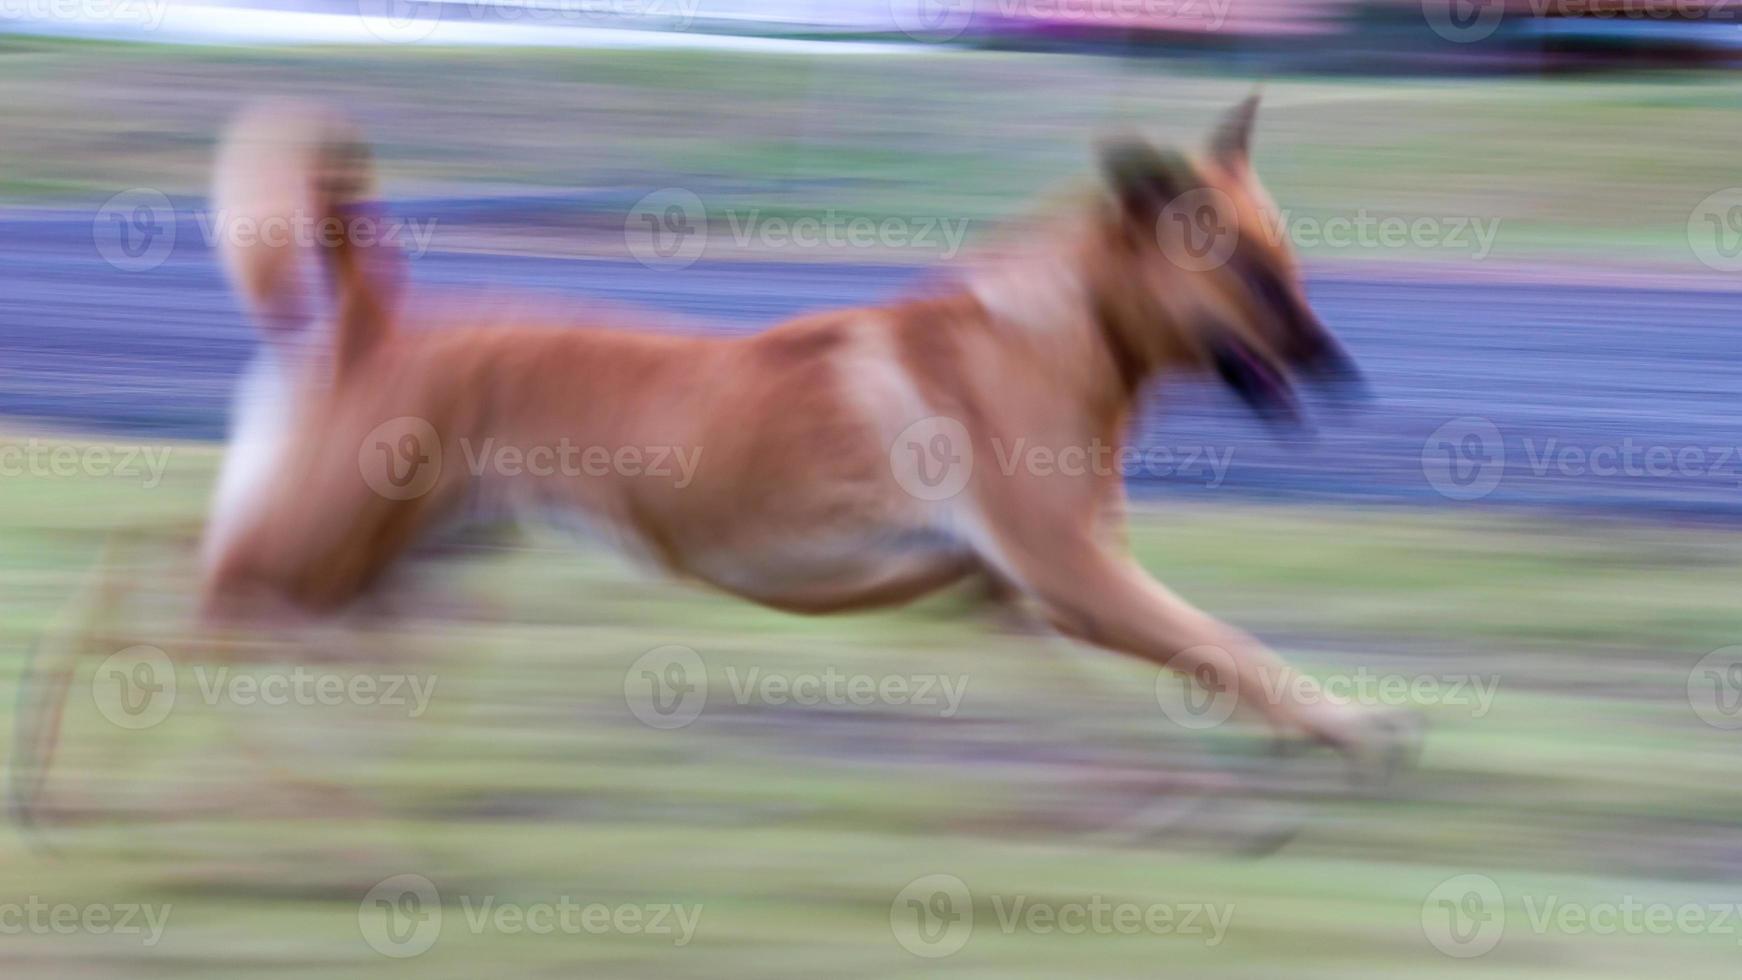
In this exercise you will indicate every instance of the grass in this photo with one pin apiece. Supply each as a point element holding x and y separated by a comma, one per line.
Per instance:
<point>1573,169</point>
<point>1589,782</point>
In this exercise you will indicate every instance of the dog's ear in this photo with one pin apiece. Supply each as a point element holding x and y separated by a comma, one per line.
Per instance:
<point>1145,178</point>
<point>1231,145</point>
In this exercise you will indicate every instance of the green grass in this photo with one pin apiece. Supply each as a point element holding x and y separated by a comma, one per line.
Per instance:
<point>1591,781</point>
<point>1574,169</point>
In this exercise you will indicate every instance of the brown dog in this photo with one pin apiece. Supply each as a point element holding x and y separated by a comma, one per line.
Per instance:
<point>848,460</point>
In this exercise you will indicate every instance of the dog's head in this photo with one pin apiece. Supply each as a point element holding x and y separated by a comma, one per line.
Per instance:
<point>1195,271</point>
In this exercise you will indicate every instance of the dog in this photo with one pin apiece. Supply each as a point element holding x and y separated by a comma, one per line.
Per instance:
<point>842,461</point>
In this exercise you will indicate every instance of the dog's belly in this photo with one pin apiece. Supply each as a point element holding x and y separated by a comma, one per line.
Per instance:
<point>839,573</point>
<point>821,571</point>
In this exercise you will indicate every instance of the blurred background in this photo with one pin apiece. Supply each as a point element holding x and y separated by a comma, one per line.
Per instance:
<point>1525,219</point>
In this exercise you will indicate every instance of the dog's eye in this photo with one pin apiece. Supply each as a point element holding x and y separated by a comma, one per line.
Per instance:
<point>1281,308</point>
<point>1267,288</point>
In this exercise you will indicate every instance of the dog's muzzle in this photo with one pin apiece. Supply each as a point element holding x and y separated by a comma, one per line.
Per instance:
<point>1334,372</point>
<point>1261,386</point>
<point>1266,389</point>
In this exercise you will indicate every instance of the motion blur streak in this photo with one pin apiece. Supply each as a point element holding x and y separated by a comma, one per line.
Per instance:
<point>1443,412</point>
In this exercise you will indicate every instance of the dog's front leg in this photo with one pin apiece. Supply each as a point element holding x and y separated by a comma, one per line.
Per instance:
<point>1094,593</point>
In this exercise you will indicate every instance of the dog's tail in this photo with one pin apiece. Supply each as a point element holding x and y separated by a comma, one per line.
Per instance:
<point>292,193</point>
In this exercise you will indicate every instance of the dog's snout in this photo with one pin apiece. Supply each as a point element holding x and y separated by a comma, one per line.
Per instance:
<point>1332,370</point>
<point>1264,389</point>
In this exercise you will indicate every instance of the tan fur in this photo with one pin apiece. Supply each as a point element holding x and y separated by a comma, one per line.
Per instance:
<point>795,503</point>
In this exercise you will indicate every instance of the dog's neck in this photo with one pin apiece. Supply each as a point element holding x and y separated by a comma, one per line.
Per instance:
<point>1054,289</point>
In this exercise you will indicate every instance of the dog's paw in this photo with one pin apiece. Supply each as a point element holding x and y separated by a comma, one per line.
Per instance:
<point>1387,744</point>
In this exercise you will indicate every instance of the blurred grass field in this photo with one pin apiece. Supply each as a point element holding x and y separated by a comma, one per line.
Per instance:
<point>1591,779</point>
<point>796,134</point>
